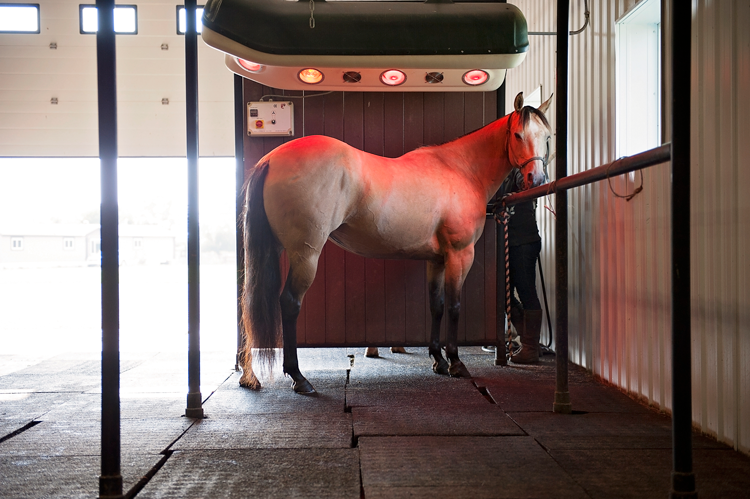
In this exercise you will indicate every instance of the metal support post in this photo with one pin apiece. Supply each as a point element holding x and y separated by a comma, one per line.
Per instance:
<point>562,395</point>
<point>500,327</point>
<point>683,478</point>
<point>239,159</point>
<point>194,400</point>
<point>110,480</point>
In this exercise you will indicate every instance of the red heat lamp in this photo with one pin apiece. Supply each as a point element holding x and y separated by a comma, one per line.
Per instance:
<point>437,45</point>
<point>253,67</point>
<point>393,77</point>
<point>475,77</point>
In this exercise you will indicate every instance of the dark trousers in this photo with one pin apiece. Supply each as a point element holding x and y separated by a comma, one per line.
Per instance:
<point>522,267</point>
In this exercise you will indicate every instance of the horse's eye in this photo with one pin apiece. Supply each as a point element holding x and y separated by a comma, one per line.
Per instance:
<point>518,136</point>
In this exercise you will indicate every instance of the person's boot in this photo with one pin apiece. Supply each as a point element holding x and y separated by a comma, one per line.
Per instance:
<point>532,328</point>
<point>516,318</point>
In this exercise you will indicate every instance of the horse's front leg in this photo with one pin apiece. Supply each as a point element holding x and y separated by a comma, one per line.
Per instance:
<point>290,307</point>
<point>457,267</point>
<point>436,279</point>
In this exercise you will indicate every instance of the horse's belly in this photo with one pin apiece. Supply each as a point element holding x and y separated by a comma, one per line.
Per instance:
<point>372,244</point>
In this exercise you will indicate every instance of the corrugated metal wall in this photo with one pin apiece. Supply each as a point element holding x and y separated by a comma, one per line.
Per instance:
<point>31,74</point>
<point>620,296</point>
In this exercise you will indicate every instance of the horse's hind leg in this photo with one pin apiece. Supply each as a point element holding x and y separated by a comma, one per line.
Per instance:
<point>436,279</point>
<point>301,275</point>
<point>248,379</point>
<point>457,267</point>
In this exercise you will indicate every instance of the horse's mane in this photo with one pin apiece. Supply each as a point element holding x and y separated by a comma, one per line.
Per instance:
<point>524,114</point>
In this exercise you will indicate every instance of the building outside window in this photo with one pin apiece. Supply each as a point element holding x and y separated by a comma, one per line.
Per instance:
<point>16,243</point>
<point>68,243</point>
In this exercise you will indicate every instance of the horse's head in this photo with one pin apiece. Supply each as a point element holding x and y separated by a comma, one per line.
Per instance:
<point>528,143</point>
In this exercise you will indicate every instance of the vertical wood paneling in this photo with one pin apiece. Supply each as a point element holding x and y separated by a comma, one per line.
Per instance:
<point>355,265</point>
<point>360,301</point>
<point>374,267</point>
<point>310,111</point>
<point>395,270</point>
<point>620,324</point>
<point>417,314</point>
<point>335,299</point>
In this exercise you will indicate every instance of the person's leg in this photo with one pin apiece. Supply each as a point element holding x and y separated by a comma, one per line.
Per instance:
<point>525,283</point>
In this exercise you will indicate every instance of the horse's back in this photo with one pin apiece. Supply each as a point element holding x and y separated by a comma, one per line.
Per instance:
<point>373,206</point>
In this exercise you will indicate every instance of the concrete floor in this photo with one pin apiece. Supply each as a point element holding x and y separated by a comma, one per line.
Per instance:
<point>378,428</point>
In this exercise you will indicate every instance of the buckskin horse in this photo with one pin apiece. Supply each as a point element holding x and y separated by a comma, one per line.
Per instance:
<point>428,204</point>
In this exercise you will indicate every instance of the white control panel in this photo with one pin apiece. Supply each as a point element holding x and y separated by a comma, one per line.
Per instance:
<point>270,119</point>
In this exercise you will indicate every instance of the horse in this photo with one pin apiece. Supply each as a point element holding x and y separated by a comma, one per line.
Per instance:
<point>429,204</point>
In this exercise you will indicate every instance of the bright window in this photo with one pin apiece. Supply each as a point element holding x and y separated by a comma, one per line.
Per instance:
<point>182,21</point>
<point>68,244</point>
<point>638,90</point>
<point>126,19</point>
<point>16,243</point>
<point>19,18</point>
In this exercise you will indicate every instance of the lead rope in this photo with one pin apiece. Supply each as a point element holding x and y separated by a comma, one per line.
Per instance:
<point>502,218</point>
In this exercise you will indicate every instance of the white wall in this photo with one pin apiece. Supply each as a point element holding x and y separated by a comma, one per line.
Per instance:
<point>619,261</point>
<point>31,74</point>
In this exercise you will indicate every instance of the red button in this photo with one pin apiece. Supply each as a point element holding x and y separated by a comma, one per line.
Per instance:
<point>259,124</point>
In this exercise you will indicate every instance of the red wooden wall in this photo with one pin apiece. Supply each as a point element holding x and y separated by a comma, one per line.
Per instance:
<point>357,301</point>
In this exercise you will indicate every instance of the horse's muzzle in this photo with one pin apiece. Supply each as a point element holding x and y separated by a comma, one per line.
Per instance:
<point>533,179</point>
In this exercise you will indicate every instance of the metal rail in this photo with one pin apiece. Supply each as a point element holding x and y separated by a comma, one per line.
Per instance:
<point>627,164</point>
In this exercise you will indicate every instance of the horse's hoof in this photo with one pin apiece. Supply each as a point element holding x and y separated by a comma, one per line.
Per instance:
<point>458,370</point>
<point>303,387</point>
<point>398,350</point>
<point>440,367</point>
<point>372,352</point>
<point>251,383</point>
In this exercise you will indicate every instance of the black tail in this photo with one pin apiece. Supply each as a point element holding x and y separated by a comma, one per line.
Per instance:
<point>261,313</point>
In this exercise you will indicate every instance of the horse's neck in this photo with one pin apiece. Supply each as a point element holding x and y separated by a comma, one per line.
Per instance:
<point>482,154</point>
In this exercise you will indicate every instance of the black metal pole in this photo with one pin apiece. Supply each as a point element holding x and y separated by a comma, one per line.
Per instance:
<point>562,395</point>
<point>239,158</point>
<point>654,156</point>
<point>500,325</point>
<point>110,480</point>
<point>683,478</point>
<point>194,400</point>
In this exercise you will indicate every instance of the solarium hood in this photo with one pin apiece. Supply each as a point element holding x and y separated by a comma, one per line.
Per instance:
<point>368,45</point>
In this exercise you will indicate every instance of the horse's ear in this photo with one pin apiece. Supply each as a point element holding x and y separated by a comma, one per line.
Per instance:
<point>518,103</point>
<point>545,105</point>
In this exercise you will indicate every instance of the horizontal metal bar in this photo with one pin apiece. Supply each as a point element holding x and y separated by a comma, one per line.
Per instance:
<point>627,164</point>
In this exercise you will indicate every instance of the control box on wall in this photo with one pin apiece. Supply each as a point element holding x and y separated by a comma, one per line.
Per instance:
<point>270,119</point>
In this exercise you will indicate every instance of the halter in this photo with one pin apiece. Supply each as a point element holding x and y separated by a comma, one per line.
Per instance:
<point>544,160</point>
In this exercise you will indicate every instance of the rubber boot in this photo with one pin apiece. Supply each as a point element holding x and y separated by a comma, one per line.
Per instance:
<point>532,328</point>
<point>516,318</point>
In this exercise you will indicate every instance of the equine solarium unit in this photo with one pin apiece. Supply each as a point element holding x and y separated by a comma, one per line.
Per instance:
<point>432,46</point>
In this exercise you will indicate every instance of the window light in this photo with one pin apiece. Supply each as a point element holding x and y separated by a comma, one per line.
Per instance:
<point>19,18</point>
<point>182,21</point>
<point>126,19</point>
